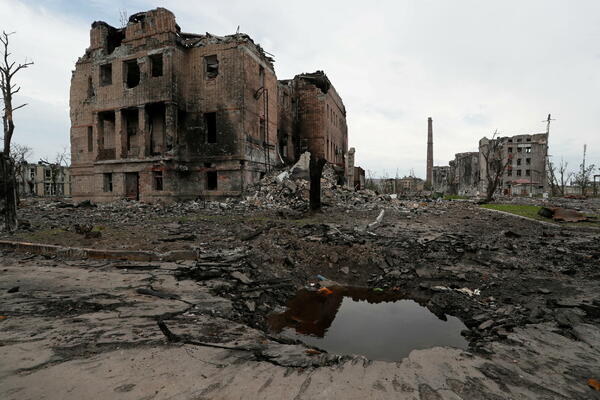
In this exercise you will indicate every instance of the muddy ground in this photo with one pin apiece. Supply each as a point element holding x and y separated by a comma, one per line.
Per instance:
<point>197,329</point>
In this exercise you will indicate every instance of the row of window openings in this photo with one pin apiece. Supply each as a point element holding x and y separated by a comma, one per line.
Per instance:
<point>520,149</point>
<point>519,140</point>
<point>131,70</point>
<point>519,172</point>
<point>333,117</point>
<point>47,174</point>
<point>210,121</point>
<point>157,181</point>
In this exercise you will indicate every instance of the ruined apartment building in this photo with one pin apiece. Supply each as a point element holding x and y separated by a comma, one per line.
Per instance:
<point>158,114</point>
<point>525,159</point>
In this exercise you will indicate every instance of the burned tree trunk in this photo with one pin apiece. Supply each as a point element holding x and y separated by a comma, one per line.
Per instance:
<point>8,69</point>
<point>316,171</point>
<point>9,192</point>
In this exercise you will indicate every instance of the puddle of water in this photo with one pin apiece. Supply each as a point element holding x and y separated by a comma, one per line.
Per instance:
<point>378,325</point>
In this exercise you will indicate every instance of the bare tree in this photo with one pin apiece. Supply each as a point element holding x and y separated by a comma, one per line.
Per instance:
<point>558,176</point>
<point>8,69</point>
<point>583,177</point>
<point>123,18</point>
<point>495,164</point>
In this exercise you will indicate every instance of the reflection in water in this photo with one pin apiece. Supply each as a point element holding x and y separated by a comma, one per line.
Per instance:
<point>378,325</point>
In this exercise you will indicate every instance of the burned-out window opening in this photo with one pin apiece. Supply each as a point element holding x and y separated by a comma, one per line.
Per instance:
<point>157,126</point>
<point>158,180</point>
<point>131,72</point>
<point>518,161</point>
<point>211,66</point>
<point>518,172</point>
<point>90,88</point>
<point>519,150</point>
<point>114,39</point>
<point>528,161</point>
<point>106,135</point>
<point>510,149</point>
<point>262,129</point>
<point>108,182</point>
<point>211,180</point>
<point>48,173</point>
<point>210,121</point>
<point>519,140</point>
<point>90,139</point>
<point>509,172</point>
<point>131,119</point>
<point>106,75</point>
<point>261,76</point>
<point>528,172</point>
<point>156,65</point>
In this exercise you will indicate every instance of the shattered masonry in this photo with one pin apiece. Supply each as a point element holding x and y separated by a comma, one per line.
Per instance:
<point>159,114</point>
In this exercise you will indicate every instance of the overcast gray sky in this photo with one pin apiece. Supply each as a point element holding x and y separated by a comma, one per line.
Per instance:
<point>474,66</point>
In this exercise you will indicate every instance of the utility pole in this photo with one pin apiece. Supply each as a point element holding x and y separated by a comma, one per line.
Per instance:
<point>547,121</point>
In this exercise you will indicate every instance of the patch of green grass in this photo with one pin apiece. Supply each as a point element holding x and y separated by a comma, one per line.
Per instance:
<point>454,197</point>
<point>518,209</point>
<point>532,212</point>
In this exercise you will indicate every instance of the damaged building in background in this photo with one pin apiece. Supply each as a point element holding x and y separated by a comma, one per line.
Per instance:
<point>159,114</point>
<point>525,173</point>
<point>525,157</point>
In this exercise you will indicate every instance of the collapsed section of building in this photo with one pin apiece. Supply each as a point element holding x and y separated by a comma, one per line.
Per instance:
<point>159,114</point>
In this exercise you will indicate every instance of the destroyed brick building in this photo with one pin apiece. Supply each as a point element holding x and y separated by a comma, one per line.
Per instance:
<point>159,114</point>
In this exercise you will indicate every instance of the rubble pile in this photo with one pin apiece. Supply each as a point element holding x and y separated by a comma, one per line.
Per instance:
<point>289,189</point>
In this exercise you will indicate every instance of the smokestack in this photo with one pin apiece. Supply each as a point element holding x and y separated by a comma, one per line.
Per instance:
<point>429,179</point>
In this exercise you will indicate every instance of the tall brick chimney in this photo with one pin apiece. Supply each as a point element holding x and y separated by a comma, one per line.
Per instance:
<point>429,179</point>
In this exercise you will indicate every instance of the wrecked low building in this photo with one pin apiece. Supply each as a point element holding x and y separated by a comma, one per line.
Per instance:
<point>42,180</point>
<point>441,178</point>
<point>525,159</point>
<point>159,114</point>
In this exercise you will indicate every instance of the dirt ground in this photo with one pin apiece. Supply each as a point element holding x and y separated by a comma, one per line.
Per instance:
<point>70,329</point>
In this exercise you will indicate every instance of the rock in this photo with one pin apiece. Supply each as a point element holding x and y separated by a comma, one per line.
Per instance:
<point>345,270</point>
<point>250,305</point>
<point>394,274</point>
<point>565,319</point>
<point>511,234</point>
<point>13,289</point>
<point>544,291</point>
<point>486,325</point>
<point>290,185</point>
<point>240,276</point>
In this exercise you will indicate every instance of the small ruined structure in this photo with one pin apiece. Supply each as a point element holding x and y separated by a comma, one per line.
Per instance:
<point>43,180</point>
<point>159,114</point>
<point>525,157</point>
<point>441,178</point>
